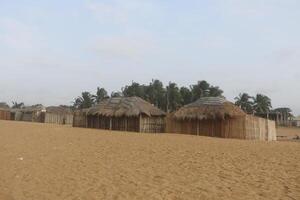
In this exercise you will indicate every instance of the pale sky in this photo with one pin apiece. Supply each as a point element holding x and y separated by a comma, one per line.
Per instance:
<point>52,50</point>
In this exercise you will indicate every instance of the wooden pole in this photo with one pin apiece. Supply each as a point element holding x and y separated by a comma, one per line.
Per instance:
<point>110,123</point>
<point>140,123</point>
<point>197,127</point>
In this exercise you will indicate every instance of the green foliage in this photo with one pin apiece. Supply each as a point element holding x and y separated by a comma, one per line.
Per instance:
<point>245,102</point>
<point>174,98</point>
<point>262,104</point>
<point>186,95</point>
<point>204,89</point>
<point>86,100</point>
<point>100,94</point>
<point>135,89</point>
<point>156,94</point>
<point>168,98</point>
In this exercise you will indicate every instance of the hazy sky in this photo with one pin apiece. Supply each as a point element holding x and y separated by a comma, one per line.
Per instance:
<point>52,50</point>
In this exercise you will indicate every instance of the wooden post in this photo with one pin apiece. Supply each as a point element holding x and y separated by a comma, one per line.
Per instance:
<point>140,123</point>
<point>125,123</point>
<point>86,121</point>
<point>197,127</point>
<point>110,123</point>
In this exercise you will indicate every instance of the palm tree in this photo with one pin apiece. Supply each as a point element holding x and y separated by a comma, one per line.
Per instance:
<point>100,94</point>
<point>262,104</point>
<point>245,102</point>
<point>86,100</point>
<point>17,105</point>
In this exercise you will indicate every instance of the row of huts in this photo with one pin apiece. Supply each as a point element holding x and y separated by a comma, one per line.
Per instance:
<point>210,116</point>
<point>38,113</point>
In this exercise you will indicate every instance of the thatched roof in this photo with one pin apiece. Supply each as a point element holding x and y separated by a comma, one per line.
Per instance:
<point>209,108</point>
<point>4,106</point>
<point>58,110</point>
<point>125,106</point>
<point>35,108</point>
<point>81,111</point>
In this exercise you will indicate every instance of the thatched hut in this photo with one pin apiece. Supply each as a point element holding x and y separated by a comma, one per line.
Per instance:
<point>31,114</point>
<point>58,115</point>
<point>126,114</point>
<point>4,111</point>
<point>217,117</point>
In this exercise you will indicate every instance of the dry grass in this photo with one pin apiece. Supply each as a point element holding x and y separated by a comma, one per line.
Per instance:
<point>49,162</point>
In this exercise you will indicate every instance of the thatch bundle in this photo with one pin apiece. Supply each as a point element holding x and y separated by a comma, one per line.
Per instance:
<point>209,108</point>
<point>125,106</point>
<point>58,110</point>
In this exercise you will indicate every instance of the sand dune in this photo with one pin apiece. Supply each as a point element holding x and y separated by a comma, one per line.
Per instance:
<point>49,162</point>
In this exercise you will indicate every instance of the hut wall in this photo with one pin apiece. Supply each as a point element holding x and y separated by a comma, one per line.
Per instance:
<point>33,117</point>
<point>79,119</point>
<point>152,124</point>
<point>38,117</point>
<point>113,123</point>
<point>69,119</point>
<point>27,117</point>
<point>248,127</point>
<point>53,118</point>
<point>12,116</point>
<point>5,115</point>
<point>271,130</point>
<point>18,116</point>
<point>133,124</point>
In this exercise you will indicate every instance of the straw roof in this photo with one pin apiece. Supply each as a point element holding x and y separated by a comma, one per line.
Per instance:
<point>35,108</point>
<point>125,106</point>
<point>58,110</point>
<point>209,108</point>
<point>4,106</point>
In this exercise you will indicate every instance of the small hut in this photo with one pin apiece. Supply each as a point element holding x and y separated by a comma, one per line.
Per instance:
<point>30,114</point>
<point>4,111</point>
<point>126,114</point>
<point>217,117</point>
<point>58,115</point>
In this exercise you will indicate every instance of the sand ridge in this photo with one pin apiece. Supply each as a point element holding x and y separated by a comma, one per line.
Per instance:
<point>40,161</point>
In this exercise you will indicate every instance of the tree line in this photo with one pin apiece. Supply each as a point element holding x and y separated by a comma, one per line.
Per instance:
<point>171,97</point>
<point>168,98</point>
<point>259,104</point>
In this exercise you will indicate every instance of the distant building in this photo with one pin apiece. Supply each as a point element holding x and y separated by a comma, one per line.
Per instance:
<point>296,121</point>
<point>281,119</point>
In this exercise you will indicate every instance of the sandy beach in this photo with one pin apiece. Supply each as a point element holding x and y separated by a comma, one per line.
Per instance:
<point>52,162</point>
